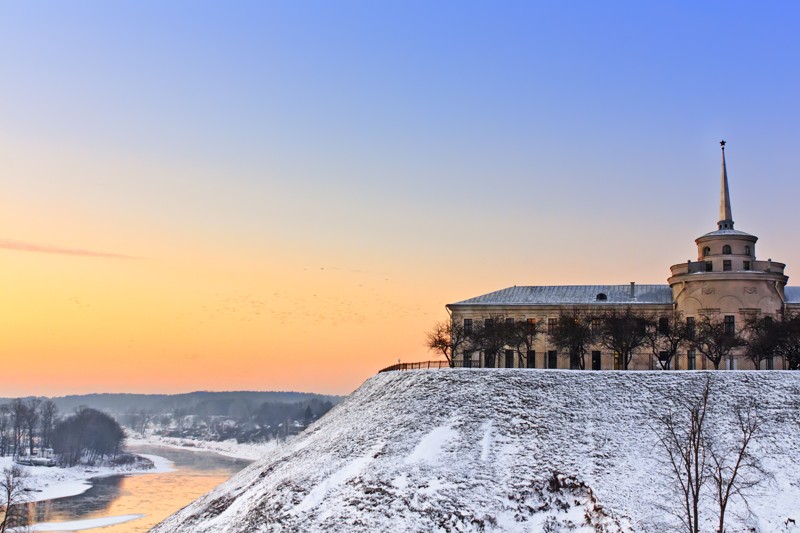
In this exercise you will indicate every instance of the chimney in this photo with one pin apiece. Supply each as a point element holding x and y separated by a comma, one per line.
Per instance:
<point>633,290</point>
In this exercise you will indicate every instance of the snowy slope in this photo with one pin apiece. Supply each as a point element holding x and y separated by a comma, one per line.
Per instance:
<point>473,450</point>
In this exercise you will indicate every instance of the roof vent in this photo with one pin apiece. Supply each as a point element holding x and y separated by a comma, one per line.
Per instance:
<point>601,297</point>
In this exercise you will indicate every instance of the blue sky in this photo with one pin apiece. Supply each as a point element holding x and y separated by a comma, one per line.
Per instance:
<point>461,146</point>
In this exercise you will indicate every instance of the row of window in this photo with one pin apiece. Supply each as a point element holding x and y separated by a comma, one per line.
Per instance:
<point>726,265</point>
<point>663,324</point>
<point>550,360</point>
<point>726,250</point>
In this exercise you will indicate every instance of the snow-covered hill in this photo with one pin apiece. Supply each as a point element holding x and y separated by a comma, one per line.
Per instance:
<point>503,450</point>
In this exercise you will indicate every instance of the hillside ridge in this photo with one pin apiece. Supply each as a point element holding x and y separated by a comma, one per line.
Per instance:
<point>502,450</point>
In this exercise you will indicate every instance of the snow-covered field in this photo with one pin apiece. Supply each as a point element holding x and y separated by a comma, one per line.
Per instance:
<point>228,448</point>
<point>505,450</point>
<point>47,483</point>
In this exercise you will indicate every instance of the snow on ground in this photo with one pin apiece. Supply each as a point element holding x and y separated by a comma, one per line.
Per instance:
<point>228,448</point>
<point>504,450</point>
<point>47,483</point>
<point>80,525</point>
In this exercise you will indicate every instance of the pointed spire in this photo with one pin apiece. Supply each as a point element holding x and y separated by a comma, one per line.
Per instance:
<point>725,216</point>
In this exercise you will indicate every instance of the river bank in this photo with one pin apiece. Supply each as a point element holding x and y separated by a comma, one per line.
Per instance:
<point>134,504</point>
<point>228,448</point>
<point>47,483</point>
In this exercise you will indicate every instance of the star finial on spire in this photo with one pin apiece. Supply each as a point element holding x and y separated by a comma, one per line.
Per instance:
<point>725,216</point>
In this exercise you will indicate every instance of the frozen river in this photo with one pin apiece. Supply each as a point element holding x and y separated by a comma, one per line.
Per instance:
<point>138,502</point>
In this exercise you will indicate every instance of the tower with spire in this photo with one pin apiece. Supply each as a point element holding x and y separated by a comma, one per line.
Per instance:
<point>725,216</point>
<point>727,278</point>
<point>726,283</point>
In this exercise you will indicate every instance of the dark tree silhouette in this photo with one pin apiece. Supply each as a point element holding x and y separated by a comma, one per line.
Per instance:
<point>47,415</point>
<point>523,335</point>
<point>788,340</point>
<point>12,499</point>
<point>623,331</point>
<point>573,332</point>
<point>87,435</point>
<point>665,335</point>
<point>490,337</point>
<point>446,338</point>
<point>762,336</point>
<point>715,339</point>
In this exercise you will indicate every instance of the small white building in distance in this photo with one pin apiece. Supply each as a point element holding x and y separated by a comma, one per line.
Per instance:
<point>727,281</point>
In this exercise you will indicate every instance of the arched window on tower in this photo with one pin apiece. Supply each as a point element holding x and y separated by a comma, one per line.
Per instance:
<point>726,249</point>
<point>601,297</point>
<point>706,251</point>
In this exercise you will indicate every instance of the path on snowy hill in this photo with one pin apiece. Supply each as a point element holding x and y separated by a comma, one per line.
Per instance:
<point>476,450</point>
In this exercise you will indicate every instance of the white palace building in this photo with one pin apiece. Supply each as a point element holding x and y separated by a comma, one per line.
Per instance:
<point>727,279</point>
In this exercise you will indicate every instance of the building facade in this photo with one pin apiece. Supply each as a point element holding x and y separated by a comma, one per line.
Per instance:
<point>727,280</point>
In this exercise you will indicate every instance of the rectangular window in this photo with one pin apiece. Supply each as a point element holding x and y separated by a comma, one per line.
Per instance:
<point>690,327</point>
<point>596,360</point>
<point>510,320</point>
<point>691,360</point>
<point>488,323</point>
<point>552,359</point>
<point>551,323</point>
<point>709,266</point>
<point>509,358</point>
<point>730,325</point>
<point>769,363</point>
<point>747,265</point>
<point>531,362</point>
<point>726,265</point>
<point>663,325</point>
<point>467,360</point>
<point>596,324</point>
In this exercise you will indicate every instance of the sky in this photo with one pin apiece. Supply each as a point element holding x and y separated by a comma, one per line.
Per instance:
<point>284,195</point>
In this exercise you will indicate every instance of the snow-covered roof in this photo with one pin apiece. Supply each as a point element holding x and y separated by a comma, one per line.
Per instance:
<point>792,295</point>
<point>727,232</point>
<point>574,294</point>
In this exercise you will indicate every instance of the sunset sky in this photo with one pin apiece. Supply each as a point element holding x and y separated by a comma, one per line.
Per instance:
<point>284,195</point>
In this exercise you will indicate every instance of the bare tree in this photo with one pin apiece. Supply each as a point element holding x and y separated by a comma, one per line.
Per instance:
<point>715,339</point>
<point>5,429</point>
<point>31,418</point>
<point>623,331</point>
<point>700,455</point>
<point>446,338</point>
<point>734,469</point>
<point>573,332</point>
<point>47,414</point>
<point>523,337</point>
<point>665,335</point>
<point>146,417</point>
<point>12,499</point>
<point>788,345</point>
<point>761,339</point>
<point>18,421</point>
<point>490,337</point>
<point>682,437</point>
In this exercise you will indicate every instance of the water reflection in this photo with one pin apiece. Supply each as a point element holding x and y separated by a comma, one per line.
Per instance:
<point>154,495</point>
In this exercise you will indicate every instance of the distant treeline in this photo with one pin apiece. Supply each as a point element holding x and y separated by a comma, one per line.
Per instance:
<point>225,417</point>
<point>28,424</point>
<point>32,427</point>
<point>120,403</point>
